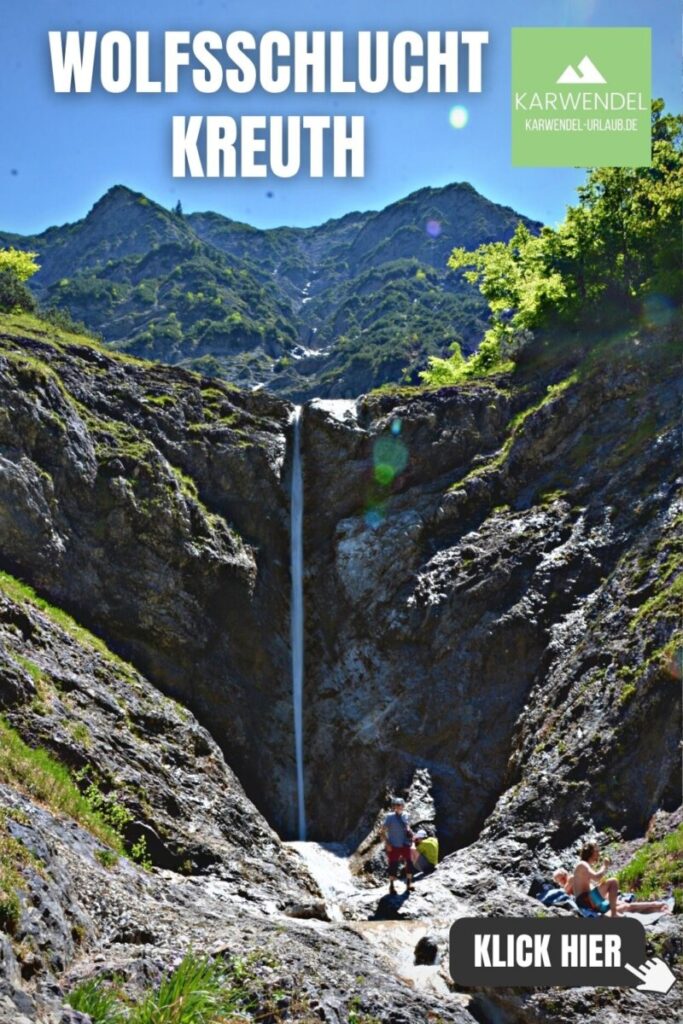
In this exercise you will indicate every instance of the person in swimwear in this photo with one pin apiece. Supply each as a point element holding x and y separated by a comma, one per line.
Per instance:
<point>592,891</point>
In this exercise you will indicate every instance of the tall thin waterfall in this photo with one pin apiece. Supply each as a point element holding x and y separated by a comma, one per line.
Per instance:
<point>297,614</point>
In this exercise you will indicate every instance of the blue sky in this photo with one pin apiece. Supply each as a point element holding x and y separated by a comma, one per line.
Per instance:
<point>61,152</point>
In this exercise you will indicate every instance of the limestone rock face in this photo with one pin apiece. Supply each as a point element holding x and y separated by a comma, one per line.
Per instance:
<point>498,611</point>
<point>108,724</point>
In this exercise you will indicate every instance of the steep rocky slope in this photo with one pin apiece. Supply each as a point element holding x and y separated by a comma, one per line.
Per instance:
<point>232,889</point>
<point>63,691</point>
<point>150,504</point>
<point>334,309</point>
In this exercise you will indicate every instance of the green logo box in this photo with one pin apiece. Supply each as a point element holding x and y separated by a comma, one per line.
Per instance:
<point>581,97</point>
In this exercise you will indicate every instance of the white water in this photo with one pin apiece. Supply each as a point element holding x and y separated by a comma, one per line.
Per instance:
<point>297,615</point>
<point>329,865</point>
<point>342,409</point>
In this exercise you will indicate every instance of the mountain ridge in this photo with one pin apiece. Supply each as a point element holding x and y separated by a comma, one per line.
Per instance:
<point>334,310</point>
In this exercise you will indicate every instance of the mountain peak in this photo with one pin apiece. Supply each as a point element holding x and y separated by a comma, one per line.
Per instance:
<point>121,196</point>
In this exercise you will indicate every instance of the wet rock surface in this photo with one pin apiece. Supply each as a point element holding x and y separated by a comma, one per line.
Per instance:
<point>136,925</point>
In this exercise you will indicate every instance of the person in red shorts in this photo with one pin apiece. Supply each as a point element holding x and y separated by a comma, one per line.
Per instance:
<point>398,839</point>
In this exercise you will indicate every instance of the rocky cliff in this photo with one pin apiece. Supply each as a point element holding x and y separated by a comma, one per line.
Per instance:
<point>492,581</point>
<point>151,505</point>
<point>492,574</point>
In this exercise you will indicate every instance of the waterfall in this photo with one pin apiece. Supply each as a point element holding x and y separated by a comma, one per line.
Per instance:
<point>297,614</point>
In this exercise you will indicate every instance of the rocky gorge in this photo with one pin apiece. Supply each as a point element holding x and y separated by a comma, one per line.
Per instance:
<point>491,578</point>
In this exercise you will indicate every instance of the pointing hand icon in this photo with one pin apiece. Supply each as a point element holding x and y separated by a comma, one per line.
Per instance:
<point>654,975</point>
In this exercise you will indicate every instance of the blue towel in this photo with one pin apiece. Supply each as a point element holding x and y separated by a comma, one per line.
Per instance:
<point>553,897</point>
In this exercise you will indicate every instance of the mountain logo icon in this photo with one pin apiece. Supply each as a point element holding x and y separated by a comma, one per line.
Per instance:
<point>587,74</point>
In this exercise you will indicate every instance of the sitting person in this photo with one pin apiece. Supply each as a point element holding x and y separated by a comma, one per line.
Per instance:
<point>425,852</point>
<point>603,896</point>
<point>564,880</point>
<point>557,894</point>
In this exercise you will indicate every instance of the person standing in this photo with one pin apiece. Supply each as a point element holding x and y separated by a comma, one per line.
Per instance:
<point>398,839</point>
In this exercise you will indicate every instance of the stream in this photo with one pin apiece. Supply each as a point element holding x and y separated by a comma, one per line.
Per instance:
<point>329,864</point>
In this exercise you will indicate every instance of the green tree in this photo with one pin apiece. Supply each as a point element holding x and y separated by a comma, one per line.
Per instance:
<point>445,371</point>
<point>632,247</point>
<point>22,264</point>
<point>617,248</point>
<point>15,269</point>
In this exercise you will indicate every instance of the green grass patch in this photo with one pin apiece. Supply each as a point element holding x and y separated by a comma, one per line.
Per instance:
<point>187,485</point>
<point>103,1003</point>
<point>107,858</point>
<point>656,866</point>
<point>665,605</point>
<point>43,690</point>
<point>116,439</point>
<point>20,326</point>
<point>36,773</point>
<point>548,497</point>
<point>36,673</point>
<point>627,693</point>
<point>201,990</point>
<point>198,991</point>
<point>212,395</point>
<point>80,732</point>
<point>162,401</point>
<point>22,593</point>
<point>515,430</point>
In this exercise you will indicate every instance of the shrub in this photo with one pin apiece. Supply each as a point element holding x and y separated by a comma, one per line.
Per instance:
<point>140,854</point>
<point>21,264</point>
<point>14,294</point>
<point>617,251</point>
<point>15,269</point>
<point>107,858</point>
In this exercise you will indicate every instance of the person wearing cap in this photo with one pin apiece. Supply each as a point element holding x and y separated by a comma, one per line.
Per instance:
<point>398,839</point>
<point>425,853</point>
